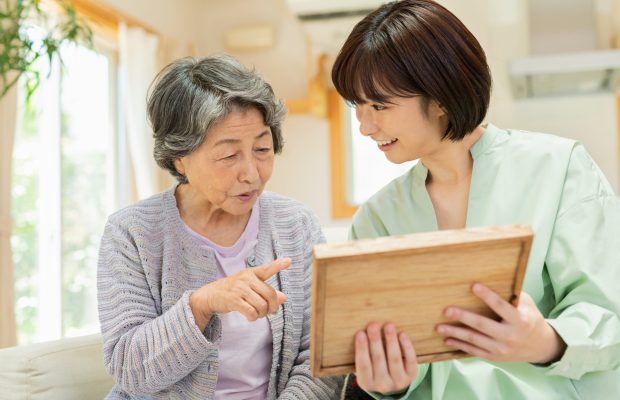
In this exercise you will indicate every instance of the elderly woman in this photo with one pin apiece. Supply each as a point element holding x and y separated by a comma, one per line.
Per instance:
<point>204,289</point>
<point>420,84</point>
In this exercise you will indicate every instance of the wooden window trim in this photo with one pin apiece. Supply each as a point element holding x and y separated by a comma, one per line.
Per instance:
<point>341,208</point>
<point>102,19</point>
<point>323,102</point>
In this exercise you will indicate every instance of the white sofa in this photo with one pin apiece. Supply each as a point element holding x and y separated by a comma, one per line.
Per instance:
<point>63,369</point>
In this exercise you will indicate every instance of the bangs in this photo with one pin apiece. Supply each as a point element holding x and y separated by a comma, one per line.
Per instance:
<point>359,76</point>
<point>416,48</point>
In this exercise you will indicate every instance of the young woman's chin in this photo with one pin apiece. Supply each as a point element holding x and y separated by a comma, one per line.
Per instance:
<point>399,158</point>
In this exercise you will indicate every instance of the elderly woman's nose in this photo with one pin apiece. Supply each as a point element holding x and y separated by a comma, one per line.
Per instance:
<point>249,171</point>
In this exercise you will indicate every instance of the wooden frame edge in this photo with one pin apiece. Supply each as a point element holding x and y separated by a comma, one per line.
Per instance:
<point>318,291</point>
<point>526,246</point>
<point>316,326</point>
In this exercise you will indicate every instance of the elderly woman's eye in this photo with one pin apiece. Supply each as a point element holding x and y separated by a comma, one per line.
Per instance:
<point>264,149</point>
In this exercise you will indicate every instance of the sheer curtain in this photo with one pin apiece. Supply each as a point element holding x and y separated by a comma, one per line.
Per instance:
<point>8,117</point>
<point>139,65</point>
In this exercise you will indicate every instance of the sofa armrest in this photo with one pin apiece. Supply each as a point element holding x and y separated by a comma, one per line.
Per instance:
<point>70,368</point>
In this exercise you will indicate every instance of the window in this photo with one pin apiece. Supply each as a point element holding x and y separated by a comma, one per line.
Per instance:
<point>67,149</point>
<point>359,169</point>
<point>369,169</point>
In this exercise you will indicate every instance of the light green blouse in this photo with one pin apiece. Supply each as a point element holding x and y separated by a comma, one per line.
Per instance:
<point>573,273</point>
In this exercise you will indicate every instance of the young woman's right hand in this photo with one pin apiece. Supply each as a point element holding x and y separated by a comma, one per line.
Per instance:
<point>384,367</point>
<point>244,291</point>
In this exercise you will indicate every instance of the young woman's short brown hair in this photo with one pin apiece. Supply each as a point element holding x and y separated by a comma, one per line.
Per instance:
<point>416,47</point>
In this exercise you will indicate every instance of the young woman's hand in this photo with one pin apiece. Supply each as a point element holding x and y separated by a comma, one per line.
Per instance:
<point>522,335</point>
<point>244,291</point>
<point>384,363</point>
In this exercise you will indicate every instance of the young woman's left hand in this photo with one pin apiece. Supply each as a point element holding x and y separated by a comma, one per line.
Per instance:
<point>522,335</point>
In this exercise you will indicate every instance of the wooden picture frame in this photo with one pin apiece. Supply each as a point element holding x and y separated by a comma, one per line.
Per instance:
<point>408,280</point>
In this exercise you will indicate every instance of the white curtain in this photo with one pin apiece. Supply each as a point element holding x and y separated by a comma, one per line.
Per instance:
<point>138,58</point>
<point>8,117</point>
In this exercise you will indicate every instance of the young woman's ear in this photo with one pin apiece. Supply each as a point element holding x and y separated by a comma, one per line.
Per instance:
<point>437,110</point>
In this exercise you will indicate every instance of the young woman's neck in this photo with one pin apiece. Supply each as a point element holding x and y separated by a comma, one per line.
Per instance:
<point>452,163</point>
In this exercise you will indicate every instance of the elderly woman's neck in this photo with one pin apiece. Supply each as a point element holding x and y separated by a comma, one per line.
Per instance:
<point>207,219</point>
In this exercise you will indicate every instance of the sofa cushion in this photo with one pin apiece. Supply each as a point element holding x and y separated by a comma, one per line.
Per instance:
<point>65,369</point>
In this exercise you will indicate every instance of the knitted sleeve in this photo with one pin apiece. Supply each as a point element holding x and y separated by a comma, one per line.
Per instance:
<point>301,384</point>
<point>144,351</point>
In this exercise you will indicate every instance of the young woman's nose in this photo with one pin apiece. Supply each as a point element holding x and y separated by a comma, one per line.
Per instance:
<point>366,119</point>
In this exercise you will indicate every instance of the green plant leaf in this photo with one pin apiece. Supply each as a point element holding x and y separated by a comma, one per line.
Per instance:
<point>18,52</point>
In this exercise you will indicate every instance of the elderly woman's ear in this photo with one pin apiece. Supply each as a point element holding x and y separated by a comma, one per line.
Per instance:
<point>178,165</point>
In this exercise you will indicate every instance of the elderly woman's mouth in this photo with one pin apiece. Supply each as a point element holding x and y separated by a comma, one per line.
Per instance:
<point>247,196</point>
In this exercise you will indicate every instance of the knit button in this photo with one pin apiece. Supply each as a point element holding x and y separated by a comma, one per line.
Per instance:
<point>251,261</point>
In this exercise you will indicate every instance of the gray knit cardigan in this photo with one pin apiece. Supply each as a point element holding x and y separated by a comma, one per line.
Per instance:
<point>149,264</point>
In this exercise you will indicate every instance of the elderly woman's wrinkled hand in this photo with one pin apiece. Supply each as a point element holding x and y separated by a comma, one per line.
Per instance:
<point>245,292</point>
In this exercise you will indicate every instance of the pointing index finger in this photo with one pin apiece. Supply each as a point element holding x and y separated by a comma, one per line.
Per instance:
<point>266,271</point>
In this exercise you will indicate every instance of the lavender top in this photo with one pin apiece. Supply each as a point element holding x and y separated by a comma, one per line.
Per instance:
<point>245,347</point>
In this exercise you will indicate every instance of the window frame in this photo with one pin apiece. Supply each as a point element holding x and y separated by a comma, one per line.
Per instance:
<point>48,270</point>
<point>338,130</point>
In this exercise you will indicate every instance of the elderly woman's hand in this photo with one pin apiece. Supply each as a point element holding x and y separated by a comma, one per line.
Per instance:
<point>245,292</point>
<point>522,335</point>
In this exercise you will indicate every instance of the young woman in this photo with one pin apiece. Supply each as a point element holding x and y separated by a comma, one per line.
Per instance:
<point>421,86</point>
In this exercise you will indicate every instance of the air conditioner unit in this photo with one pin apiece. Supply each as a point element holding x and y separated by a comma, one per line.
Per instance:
<point>308,10</point>
<point>565,74</point>
<point>566,56</point>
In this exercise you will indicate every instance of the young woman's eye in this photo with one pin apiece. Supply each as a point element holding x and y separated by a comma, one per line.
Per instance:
<point>378,107</point>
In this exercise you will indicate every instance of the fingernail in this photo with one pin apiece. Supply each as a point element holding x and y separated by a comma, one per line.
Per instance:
<point>476,288</point>
<point>441,329</point>
<point>449,313</point>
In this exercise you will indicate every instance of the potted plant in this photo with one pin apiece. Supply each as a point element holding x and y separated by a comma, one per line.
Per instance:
<point>19,52</point>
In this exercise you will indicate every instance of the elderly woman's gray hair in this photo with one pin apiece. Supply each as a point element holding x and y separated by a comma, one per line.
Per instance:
<point>188,96</point>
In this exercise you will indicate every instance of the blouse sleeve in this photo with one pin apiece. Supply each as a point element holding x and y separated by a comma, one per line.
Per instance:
<point>366,224</point>
<point>583,264</point>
